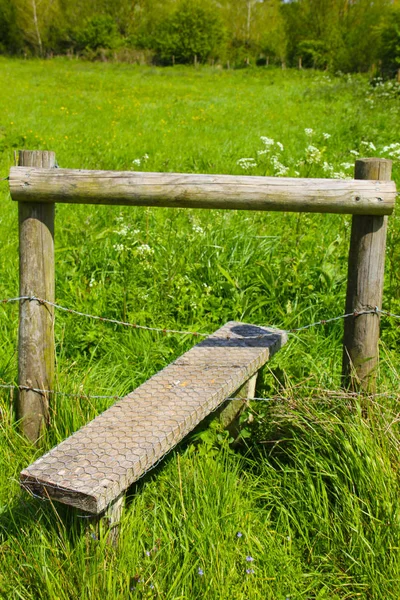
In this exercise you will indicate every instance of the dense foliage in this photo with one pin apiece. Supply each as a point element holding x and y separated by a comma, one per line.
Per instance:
<point>346,35</point>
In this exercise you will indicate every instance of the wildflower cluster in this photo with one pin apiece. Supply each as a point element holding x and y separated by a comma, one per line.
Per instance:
<point>269,154</point>
<point>246,163</point>
<point>128,237</point>
<point>138,162</point>
<point>392,151</point>
<point>318,159</point>
<point>384,90</point>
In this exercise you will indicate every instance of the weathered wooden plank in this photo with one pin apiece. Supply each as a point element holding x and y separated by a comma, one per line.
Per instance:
<point>94,466</point>
<point>36,321</point>
<point>203,191</point>
<point>229,414</point>
<point>365,287</point>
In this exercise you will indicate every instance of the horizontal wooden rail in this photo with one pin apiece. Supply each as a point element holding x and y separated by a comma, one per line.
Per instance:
<point>28,184</point>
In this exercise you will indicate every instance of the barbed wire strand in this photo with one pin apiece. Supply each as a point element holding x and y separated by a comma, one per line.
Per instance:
<point>84,396</point>
<point>165,330</point>
<point>102,319</point>
<point>88,396</point>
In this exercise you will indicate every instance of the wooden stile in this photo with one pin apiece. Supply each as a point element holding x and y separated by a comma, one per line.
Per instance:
<point>365,286</point>
<point>36,321</point>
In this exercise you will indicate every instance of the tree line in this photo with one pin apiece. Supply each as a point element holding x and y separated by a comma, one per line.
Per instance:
<point>345,35</point>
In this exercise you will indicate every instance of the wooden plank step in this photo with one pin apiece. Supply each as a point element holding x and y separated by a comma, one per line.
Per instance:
<point>96,464</point>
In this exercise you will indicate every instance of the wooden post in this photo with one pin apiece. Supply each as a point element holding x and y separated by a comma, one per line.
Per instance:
<point>365,286</point>
<point>229,415</point>
<point>108,523</point>
<point>36,321</point>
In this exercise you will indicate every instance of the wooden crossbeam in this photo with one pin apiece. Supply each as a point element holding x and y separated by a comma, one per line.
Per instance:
<point>186,190</point>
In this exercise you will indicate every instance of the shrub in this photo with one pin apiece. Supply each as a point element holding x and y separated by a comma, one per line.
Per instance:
<point>390,44</point>
<point>98,32</point>
<point>192,31</point>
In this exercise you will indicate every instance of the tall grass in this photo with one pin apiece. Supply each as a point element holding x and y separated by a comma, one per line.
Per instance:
<point>314,491</point>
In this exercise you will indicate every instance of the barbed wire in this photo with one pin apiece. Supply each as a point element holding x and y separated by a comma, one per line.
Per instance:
<point>88,396</point>
<point>355,313</point>
<point>85,396</point>
<point>102,319</point>
<point>165,330</point>
<point>82,395</point>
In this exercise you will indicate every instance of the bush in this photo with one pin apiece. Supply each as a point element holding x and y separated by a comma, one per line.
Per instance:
<point>98,32</point>
<point>390,45</point>
<point>193,31</point>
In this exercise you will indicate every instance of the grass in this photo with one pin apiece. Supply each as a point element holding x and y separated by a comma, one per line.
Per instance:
<point>315,490</point>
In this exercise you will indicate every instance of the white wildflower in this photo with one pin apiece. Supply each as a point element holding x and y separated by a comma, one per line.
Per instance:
<point>313,154</point>
<point>137,162</point>
<point>279,168</point>
<point>123,231</point>
<point>354,153</point>
<point>393,150</point>
<point>368,145</point>
<point>246,163</point>
<point>339,175</point>
<point>347,165</point>
<point>197,229</point>
<point>280,146</point>
<point>308,131</point>
<point>326,136</point>
<point>327,168</point>
<point>267,141</point>
<point>119,247</point>
<point>144,249</point>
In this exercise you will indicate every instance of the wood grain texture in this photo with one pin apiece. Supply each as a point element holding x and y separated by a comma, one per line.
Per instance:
<point>230,412</point>
<point>202,191</point>
<point>95,465</point>
<point>36,321</point>
<point>365,287</point>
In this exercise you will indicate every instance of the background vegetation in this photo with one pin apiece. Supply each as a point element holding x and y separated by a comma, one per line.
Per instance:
<point>312,494</point>
<point>346,35</point>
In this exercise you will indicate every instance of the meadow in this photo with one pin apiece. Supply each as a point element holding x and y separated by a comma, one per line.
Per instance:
<point>307,506</point>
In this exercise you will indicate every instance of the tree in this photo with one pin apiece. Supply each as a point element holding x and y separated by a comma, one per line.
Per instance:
<point>194,31</point>
<point>389,51</point>
<point>98,32</point>
<point>36,21</point>
<point>9,37</point>
<point>255,27</point>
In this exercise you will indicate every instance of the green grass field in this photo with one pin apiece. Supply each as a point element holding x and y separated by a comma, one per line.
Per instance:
<point>313,492</point>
